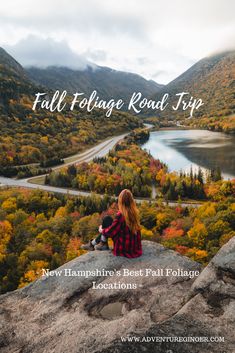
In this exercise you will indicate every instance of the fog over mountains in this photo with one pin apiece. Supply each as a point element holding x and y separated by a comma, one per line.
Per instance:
<point>107,82</point>
<point>212,79</point>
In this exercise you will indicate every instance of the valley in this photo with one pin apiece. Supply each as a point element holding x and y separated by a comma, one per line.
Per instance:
<point>62,170</point>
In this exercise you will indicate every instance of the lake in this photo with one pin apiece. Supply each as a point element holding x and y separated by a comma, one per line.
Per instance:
<point>181,149</point>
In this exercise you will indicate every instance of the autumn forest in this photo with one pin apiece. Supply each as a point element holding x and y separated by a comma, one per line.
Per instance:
<point>192,213</point>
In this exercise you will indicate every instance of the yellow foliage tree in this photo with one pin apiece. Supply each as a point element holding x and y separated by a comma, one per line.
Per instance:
<point>61,212</point>
<point>34,271</point>
<point>146,233</point>
<point>197,254</point>
<point>74,249</point>
<point>207,210</point>
<point>9,205</point>
<point>198,233</point>
<point>5,236</point>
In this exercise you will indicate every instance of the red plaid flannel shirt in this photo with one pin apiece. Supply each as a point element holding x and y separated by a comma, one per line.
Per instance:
<point>125,243</point>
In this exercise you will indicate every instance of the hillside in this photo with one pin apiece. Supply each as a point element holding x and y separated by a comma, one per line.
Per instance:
<point>107,82</point>
<point>213,80</point>
<point>41,229</point>
<point>69,315</point>
<point>13,82</point>
<point>10,63</point>
<point>35,136</point>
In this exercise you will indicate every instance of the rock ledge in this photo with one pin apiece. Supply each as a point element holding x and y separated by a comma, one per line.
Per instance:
<point>65,314</point>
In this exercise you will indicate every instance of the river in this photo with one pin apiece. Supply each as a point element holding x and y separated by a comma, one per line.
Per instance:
<point>181,149</point>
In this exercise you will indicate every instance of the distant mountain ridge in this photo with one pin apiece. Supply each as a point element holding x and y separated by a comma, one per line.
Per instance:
<point>107,82</point>
<point>10,63</point>
<point>14,82</point>
<point>212,79</point>
<point>29,136</point>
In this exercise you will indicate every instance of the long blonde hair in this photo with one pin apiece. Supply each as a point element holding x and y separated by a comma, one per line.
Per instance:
<point>127,207</point>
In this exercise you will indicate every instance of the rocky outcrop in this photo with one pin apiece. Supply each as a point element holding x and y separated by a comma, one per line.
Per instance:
<point>67,314</point>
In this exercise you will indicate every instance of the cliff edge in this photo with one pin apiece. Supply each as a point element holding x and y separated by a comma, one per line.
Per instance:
<point>73,314</point>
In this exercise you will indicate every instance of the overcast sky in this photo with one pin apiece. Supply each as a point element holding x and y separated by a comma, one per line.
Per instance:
<point>154,38</point>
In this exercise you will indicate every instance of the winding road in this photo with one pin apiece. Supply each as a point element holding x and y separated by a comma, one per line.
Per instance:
<point>99,150</point>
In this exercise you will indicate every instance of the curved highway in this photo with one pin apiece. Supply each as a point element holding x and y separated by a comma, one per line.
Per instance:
<point>99,150</point>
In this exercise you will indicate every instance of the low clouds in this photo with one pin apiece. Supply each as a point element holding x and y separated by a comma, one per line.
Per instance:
<point>153,38</point>
<point>96,55</point>
<point>39,52</point>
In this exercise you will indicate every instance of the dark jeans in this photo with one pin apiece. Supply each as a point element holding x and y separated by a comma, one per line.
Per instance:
<point>98,238</point>
<point>107,221</point>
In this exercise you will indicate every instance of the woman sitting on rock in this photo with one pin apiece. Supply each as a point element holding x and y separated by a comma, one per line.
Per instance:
<point>124,230</point>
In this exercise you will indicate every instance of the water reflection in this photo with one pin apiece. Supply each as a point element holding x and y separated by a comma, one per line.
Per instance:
<point>181,149</point>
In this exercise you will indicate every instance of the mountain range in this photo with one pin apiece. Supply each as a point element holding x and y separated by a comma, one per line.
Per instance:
<point>212,79</point>
<point>107,82</point>
<point>29,137</point>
